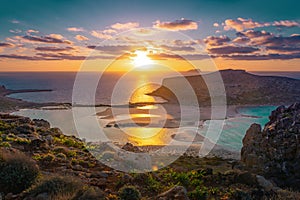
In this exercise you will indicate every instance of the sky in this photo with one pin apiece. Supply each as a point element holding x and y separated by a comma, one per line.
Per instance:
<point>61,35</point>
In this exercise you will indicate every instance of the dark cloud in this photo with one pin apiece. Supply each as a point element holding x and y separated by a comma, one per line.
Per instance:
<point>52,56</point>
<point>177,48</point>
<point>23,57</point>
<point>46,39</point>
<point>263,57</point>
<point>241,40</point>
<point>216,41</point>
<point>54,49</point>
<point>5,44</point>
<point>254,34</point>
<point>281,41</point>
<point>232,49</point>
<point>283,49</point>
<point>164,56</point>
<point>178,25</point>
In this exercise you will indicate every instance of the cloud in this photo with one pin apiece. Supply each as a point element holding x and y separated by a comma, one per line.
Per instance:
<point>286,23</point>
<point>32,31</point>
<point>24,57</point>
<point>264,38</point>
<point>216,25</point>
<point>75,29</point>
<point>178,25</point>
<point>15,21</point>
<point>52,38</point>
<point>241,40</point>
<point>6,44</point>
<point>56,36</point>
<point>232,50</point>
<point>109,31</point>
<point>283,49</point>
<point>55,49</point>
<point>216,41</point>
<point>81,38</point>
<point>52,56</point>
<point>115,49</point>
<point>177,48</point>
<point>241,24</point>
<point>15,31</point>
<point>165,56</point>
<point>263,57</point>
<point>124,26</point>
<point>101,35</point>
<point>184,42</point>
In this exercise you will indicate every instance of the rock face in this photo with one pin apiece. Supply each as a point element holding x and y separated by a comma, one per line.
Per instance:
<point>275,150</point>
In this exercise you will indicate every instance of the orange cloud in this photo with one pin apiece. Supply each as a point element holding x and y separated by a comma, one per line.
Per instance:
<point>32,31</point>
<point>81,38</point>
<point>75,29</point>
<point>124,26</point>
<point>101,35</point>
<point>178,25</point>
<point>241,24</point>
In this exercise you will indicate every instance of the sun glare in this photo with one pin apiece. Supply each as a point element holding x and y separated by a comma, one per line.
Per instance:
<point>141,59</point>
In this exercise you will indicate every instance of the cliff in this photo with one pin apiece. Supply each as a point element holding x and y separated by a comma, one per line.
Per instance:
<point>275,151</point>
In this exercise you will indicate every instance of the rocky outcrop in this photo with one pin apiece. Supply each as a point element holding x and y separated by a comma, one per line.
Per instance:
<point>275,151</point>
<point>176,193</point>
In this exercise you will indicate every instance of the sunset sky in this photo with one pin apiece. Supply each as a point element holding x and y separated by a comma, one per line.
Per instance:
<point>58,35</point>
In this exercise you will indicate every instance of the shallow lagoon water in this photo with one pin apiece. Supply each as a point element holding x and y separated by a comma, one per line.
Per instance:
<point>231,137</point>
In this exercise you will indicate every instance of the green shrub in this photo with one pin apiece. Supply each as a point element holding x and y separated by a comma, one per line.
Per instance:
<point>57,186</point>
<point>90,193</point>
<point>129,193</point>
<point>17,172</point>
<point>198,194</point>
<point>5,144</point>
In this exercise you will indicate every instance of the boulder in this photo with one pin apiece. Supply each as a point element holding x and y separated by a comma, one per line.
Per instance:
<point>274,152</point>
<point>175,193</point>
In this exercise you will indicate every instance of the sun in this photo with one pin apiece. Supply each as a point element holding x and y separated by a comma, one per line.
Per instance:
<point>141,59</point>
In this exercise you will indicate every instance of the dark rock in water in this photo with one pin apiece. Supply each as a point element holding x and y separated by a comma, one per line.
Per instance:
<point>175,193</point>
<point>130,147</point>
<point>275,151</point>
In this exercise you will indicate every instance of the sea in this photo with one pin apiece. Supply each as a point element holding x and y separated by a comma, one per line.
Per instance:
<point>61,84</point>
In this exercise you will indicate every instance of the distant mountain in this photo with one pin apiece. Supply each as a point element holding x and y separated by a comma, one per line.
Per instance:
<point>242,88</point>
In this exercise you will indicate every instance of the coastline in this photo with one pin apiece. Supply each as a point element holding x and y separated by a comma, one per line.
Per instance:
<point>9,105</point>
<point>218,150</point>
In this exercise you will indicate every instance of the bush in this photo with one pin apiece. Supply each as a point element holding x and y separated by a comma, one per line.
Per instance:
<point>17,172</point>
<point>57,186</point>
<point>129,193</point>
<point>90,193</point>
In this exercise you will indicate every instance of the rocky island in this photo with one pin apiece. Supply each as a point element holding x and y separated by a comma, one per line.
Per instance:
<point>242,88</point>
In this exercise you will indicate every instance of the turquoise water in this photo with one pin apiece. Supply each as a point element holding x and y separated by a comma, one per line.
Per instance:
<point>231,136</point>
<point>235,128</point>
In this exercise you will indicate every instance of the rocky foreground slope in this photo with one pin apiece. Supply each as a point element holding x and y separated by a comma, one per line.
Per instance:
<point>274,151</point>
<point>242,88</point>
<point>40,162</point>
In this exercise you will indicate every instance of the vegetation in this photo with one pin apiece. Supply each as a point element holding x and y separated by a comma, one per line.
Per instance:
<point>129,193</point>
<point>17,172</point>
<point>57,186</point>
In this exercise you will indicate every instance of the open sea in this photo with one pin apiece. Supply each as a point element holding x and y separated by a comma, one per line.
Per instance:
<point>61,84</point>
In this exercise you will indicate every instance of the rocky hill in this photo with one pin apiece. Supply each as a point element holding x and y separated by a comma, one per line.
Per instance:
<point>242,88</point>
<point>275,151</point>
<point>46,164</point>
